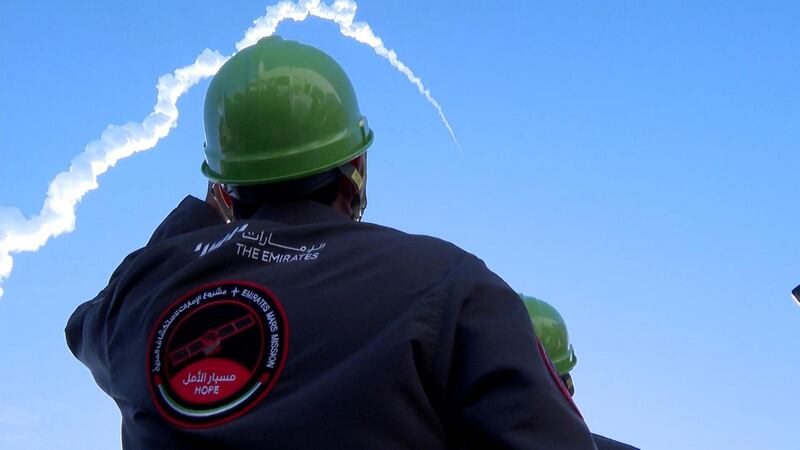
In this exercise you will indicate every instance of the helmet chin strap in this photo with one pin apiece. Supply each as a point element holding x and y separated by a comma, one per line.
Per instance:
<point>221,201</point>
<point>567,379</point>
<point>358,179</point>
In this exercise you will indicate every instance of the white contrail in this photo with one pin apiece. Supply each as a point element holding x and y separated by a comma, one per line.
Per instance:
<point>343,13</point>
<point>57,216</point>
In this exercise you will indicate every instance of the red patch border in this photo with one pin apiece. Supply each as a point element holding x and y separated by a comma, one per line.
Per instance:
<point>251,404</point>
<point>556,377</point>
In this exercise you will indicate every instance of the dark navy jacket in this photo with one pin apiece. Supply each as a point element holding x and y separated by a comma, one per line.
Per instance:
<point>300,329</point>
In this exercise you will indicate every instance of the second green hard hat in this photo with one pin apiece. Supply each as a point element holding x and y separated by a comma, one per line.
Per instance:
<point>552,332</point>
<point>280,110</point>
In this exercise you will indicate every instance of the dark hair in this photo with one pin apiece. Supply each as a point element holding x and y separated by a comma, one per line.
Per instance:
<point>321,188</point>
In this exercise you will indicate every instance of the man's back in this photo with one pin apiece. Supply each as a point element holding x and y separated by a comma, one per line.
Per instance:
<point>303,329</point>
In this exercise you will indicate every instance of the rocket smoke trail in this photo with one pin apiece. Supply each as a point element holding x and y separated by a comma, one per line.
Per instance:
<point>342,12</point>
<point>57,216</point>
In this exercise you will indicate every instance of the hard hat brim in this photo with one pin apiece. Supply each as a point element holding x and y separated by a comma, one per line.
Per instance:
<point>272,171</point>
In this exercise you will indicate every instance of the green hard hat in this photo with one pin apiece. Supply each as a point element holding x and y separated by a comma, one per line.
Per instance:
<point>280,110</point>
<point>552,332</point>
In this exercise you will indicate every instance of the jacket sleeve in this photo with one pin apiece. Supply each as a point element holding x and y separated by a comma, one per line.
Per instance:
<point>87,329</point>
<point>496,390</point>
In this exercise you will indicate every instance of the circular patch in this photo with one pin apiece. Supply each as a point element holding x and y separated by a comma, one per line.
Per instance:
<point>216,352</point>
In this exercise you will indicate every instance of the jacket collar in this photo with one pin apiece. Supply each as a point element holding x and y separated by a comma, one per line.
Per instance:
<point>299,213</point>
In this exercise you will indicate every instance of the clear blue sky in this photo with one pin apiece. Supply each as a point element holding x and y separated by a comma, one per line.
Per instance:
<point>634,163</point>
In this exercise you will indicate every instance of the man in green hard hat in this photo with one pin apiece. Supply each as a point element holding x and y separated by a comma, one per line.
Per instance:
<point>269,316</point>
<point>552,332</point>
